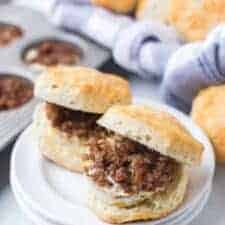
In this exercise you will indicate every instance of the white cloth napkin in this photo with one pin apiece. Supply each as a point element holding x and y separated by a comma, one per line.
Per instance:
<point>136,46</point>
<point>194,67</point>
<point>145,47</point>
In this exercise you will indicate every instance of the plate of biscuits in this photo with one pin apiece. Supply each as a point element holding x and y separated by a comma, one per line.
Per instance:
<point>96,155</point>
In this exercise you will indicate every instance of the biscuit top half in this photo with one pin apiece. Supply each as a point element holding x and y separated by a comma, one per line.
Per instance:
<point>82,89</point>
<point>158,130</point>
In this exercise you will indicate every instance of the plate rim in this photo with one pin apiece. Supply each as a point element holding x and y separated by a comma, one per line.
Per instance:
<point>192,212</point>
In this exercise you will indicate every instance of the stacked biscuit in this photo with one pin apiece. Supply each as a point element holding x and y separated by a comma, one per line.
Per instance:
<point>193,19</point>
<point>208,112</point>
<point>134,156</point>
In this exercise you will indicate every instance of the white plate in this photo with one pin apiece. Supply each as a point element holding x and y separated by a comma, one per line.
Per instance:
<point>58,194</point>
<point>21,198</point>
<point>183,219</point>
<point>186,219</point>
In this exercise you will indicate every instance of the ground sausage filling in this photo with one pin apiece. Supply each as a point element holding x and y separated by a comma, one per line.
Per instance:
<point>131,165</point>
<point>52,53</point>
<point>9,33</point>
<point>115,159</point>
<point>14,91</point>
<point>72,122</point>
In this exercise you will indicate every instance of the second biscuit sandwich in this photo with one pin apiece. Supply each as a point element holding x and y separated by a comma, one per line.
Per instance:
<point>137,170</point>
<point>74,98</point>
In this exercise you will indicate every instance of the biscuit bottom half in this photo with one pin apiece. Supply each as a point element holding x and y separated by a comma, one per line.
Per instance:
<point>141,206</point>
<point>55,145</point>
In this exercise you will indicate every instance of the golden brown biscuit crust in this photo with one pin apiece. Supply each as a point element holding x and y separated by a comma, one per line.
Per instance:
<point>83,89</point>
<point>141,5</point>
<point>208,112</point>
<point>193,19</point>
<point>156,129</point>
<point>120,6</point>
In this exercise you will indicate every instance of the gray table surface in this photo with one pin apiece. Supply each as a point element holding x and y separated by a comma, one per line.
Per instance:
<point>214,213</point>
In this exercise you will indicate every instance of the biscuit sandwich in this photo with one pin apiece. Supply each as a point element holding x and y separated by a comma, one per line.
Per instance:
<point>138,169</point>
<point>73,99</point>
